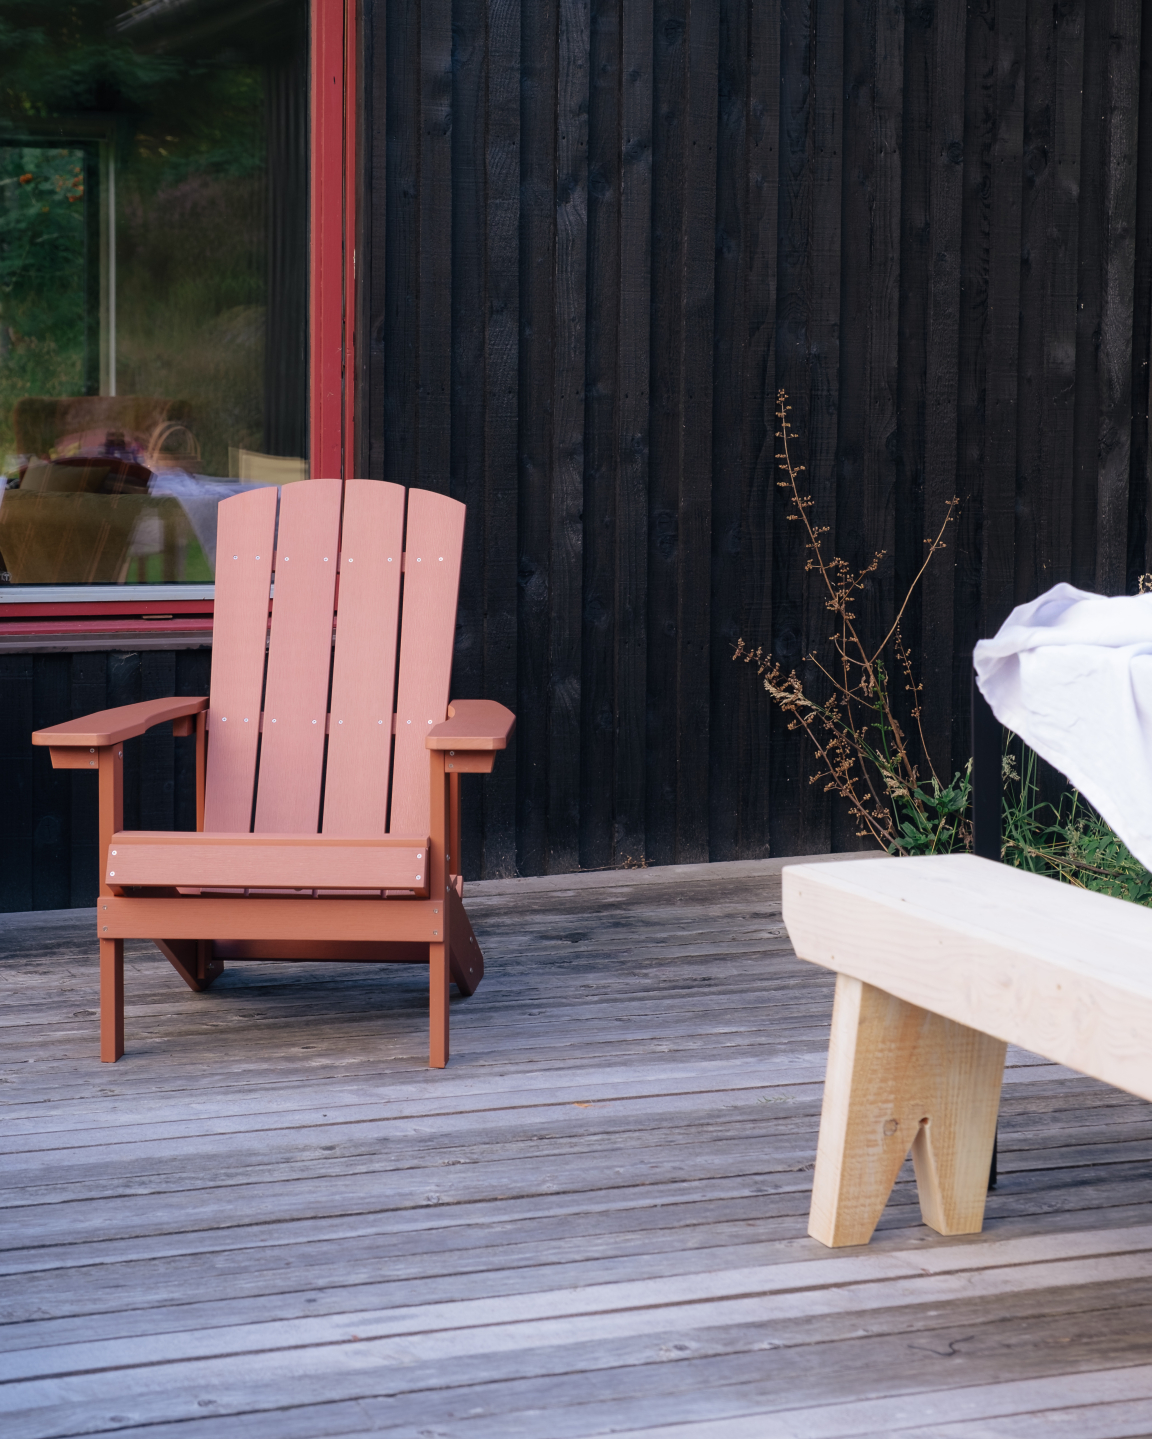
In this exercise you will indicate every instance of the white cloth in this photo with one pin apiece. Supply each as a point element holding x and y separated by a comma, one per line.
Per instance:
<point>1071,674</point>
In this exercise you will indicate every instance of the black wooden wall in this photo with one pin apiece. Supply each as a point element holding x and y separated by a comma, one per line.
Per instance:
<point>48,817</point>
<point>597,238</point>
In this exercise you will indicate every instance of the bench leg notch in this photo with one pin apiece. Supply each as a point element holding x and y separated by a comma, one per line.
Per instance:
<point>903,1079</point>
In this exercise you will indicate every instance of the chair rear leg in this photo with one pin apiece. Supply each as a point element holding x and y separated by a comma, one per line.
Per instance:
<point>111,1000</point>
<point>193,960</point>
<point>900,1078</point>
<point>438,980</point>
<point>467,961</point>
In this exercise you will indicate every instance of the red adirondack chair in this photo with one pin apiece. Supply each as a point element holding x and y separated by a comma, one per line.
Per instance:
<point>326,828</point>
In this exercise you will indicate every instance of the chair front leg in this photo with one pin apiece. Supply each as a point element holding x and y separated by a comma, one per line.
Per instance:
<point>454,824</point>
<point>439,882</point>
<point>111,809</point>
<point>111,1000</point>
<point>111,950</point>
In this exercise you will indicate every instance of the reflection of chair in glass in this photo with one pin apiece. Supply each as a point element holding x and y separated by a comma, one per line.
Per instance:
<point>82,513</point>
<point>265,469</point>
<point>41,424</point>
<point>81,538</point>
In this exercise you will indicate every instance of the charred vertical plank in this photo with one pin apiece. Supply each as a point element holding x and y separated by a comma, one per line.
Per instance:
<point>88,676</point>
<point>808,371</point>
<point>1054,60</point>
<point>18,762</point>
<point>434,372</point>
<point>694,518</point>
<point>744,420</point>
<point>679,561</point>
<point>1089,245</point>
<point>989,336</point>
<point>1106,266</point>
<point>669,197</point>
<point>125,688</point>
<point>565,562</point>
<point>917,247</point>
<point>601,453</point>
<point>1005,274</point>
<point>1119,145</point>
<point>873,72</point>
<point>980,57</point>
<point>538,32</point>
<point>371,256</point>
<point>399,329</point>
<point>50,789</point>
<point>501,340</point>
<point>946,195</point>
<point>633,369</point>
<point>193,675</point>
<point>469,329</point>
<point>866,479</point>
<point>728,429</point>
<point>1140,493</point>
<point>157,746</point>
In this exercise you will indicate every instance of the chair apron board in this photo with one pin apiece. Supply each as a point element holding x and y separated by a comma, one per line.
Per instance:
<point>328,802</point>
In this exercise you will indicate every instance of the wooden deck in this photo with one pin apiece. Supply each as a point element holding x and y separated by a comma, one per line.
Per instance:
<point>270,1220</point>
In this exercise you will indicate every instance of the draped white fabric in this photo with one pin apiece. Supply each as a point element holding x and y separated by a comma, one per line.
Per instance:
<point>1071,674</point>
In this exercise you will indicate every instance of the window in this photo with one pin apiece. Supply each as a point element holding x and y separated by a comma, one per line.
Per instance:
<point>154,279</point>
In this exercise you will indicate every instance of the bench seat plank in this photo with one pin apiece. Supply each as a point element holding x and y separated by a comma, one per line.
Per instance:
<point>1058,970</point>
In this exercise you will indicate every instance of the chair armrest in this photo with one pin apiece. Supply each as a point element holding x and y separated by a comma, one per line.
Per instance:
<point>473,725</point>
<point>108,727</point>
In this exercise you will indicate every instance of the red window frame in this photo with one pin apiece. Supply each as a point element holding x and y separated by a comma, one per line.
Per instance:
<point>332,309</point>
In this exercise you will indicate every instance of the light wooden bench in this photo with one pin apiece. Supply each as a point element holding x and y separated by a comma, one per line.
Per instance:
<point>940,963</point>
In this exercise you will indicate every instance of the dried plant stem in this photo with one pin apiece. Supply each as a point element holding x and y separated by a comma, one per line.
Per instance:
<point>862,753</point>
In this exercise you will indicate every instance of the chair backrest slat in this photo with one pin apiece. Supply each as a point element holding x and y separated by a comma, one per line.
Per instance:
<point>433,544</point>
<point>364,664</point>
<point>247,525</point>
<point>299,659</point>
<point>383,650</point>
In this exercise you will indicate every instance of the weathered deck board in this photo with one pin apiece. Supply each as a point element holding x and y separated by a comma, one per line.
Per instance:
<point>271,1219</point>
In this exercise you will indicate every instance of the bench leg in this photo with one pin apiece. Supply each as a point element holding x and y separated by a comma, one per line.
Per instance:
<point>901,1078</point>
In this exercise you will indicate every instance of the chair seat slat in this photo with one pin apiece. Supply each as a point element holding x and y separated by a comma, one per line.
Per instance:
<point>297,861</point>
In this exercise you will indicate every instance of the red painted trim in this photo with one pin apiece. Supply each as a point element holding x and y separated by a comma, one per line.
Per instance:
<point>16,628</point>
<point>84,609</point>
<point>332,308</point>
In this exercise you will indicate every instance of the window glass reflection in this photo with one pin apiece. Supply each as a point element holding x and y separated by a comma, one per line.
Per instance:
<point>153,278</point>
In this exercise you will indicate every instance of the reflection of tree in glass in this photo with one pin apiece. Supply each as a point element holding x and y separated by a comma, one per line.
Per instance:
<point>191,304</point>
<point>186,127</point>
<point>42,246</point>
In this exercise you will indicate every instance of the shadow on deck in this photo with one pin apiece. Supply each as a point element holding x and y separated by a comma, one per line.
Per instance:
<point>271,1220</point>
